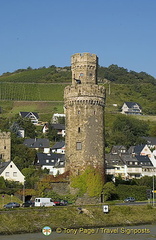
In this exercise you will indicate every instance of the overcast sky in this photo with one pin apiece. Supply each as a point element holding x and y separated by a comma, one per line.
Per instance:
<point>39,33</point>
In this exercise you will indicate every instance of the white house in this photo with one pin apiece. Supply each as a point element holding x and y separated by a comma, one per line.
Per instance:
<point>56,116</point>
<point>138,161</point>
<point>131,108</point>
<point>59,147</point>
<point>54,162</point>
<point>60,129</point>
<point>10,172</point>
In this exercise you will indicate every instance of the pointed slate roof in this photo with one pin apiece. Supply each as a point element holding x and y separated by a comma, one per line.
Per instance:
<point>131,104</point>
<point>26,114</point>
<point>37,142</point>
<point>58,126</point>
<point>3,165</point>
<point>150,140</point>
<point>113,159</point>
<point>50,159</point>
<point>58,145</point>
<point>136,149</point>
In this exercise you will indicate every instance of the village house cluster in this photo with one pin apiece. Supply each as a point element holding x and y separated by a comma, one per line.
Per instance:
<point>135,162</point>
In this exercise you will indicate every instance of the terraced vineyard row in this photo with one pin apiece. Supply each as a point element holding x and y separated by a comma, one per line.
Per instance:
<point>31,92</point>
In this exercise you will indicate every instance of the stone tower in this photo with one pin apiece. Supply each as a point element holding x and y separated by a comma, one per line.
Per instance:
<point>5,146</point>
<point>84,109</point>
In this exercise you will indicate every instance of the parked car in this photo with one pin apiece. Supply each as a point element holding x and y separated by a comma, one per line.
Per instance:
<point>28,204</point>
<point>129,199</point>
<point>11,205</point>
<point>60,202</point>
<point>63,203</point>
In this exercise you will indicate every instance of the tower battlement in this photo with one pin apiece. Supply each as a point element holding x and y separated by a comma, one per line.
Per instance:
<point>84,68</point>
<point>4,135</point>
<point>80,94</point>
<point>84,58</point>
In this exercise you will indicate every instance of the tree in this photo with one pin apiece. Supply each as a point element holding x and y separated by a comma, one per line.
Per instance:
<point>2,183</point>
<point>109,191</point>
<point>128,131</point>
<point>52,134</point>
<point>28,126</point>
<point>22,156</point>
<point>90,182</point>
<point>4,124</point>
<point>146,181</point>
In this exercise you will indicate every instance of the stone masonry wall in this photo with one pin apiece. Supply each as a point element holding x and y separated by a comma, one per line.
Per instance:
<point>5,146</point>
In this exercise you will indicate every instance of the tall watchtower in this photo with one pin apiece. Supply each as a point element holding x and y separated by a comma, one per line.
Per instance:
<point>84,104</point>
<point>5,146</point>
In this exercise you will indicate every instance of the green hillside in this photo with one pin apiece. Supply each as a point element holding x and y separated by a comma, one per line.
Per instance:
<point>54,74</point>
<point>51,74</point>
<point>44,88</point>
<point>31,91</point>
<point>144,94</point>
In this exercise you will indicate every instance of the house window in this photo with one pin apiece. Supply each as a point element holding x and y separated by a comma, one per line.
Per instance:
<point>47,161</point>
<point>4,147</point>
<point>78,146</point>
<point>10,166</point>
<point>78,111</point>
<point>78,129</point>
<point>7,174</point>
<point>0,156</point>
<point>81,74</point>
<point>14,174</point>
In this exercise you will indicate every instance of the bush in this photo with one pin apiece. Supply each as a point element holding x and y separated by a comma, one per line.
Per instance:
<point>138,192</point>
<point>90,182</point>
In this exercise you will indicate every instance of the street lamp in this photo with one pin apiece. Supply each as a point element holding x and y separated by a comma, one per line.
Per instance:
<point>153,190</point>
<point>23,192</point>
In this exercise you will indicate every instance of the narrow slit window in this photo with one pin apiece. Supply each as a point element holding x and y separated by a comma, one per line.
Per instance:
<point>79,129</point>
<point>78,146</point>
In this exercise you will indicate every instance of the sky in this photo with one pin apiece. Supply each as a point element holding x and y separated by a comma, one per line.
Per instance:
<point>39,33</point>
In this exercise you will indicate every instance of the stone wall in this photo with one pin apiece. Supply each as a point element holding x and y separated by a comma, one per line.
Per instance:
<point>5,146</point>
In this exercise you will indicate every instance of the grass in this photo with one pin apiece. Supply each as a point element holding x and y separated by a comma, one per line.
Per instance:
<point>69,217</point>
<point>5,198</point>
<point>44,109</point>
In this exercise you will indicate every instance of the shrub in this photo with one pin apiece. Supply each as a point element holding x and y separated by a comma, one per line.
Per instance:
<point>138,192</point>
